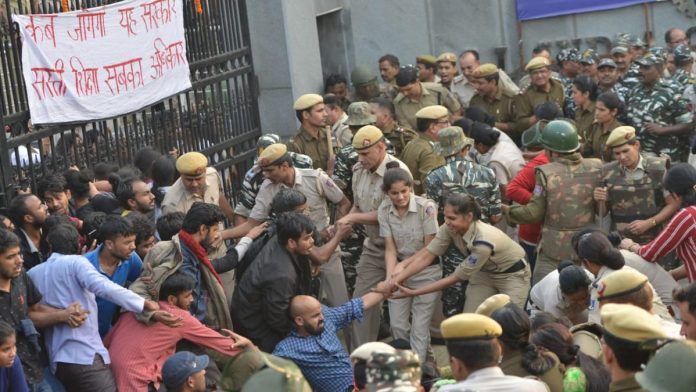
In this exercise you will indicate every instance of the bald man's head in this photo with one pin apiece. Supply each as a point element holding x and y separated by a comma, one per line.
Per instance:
<point>306,315</point>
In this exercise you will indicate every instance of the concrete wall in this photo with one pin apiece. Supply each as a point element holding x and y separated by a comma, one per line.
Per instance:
<point>295,43</point>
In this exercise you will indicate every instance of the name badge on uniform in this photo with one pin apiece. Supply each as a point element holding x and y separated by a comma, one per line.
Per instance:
<point>538,190</point>
<point>471,260</point>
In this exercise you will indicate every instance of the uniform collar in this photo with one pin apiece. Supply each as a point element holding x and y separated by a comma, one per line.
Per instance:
<point>309,138</point>
<point>340,122</point>
<point>383,165</point>
<point>298,177</point>
<point>412,207</point>
<point>470,234</point>
<point>627,384</point>
<point>640,166</point>
<point>485,372</point>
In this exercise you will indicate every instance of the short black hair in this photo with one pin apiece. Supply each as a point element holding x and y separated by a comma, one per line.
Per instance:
<point>64,239</point>
<point>176,284</point>
<point>516,326</point>
<point>17,209</point>
<point>386,104</point>
<point>422,124</point>
<point>333,101</point>
<point>6,330</point>
<point>475,354</point>
<point>572,278</point>
<point>78,182</point>
<point>292,225</point>
<point>53,183</point>
<point>687,294</point>
<point>629,355</point>
<point>333,80</point>
<point>123,188</point>
<point>8,240</point>
<point>91,226</point>
<point>114,226</point>
<point>144,159</point>
<point>202,214</point>
<point>170,224</point>
<point>103,169</point>
<point>287,200</point>
<point>539,48</point>
<point>143,228</point>
<point>393,60</point>
<point>464,204</point>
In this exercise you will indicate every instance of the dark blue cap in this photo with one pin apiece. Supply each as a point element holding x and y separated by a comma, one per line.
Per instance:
<point>180,366</point>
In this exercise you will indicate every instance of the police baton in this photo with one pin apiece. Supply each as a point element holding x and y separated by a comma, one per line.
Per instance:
<point>603,210</point>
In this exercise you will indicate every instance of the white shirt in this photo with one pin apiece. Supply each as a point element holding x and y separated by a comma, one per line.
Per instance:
<point>492,379</point>
<point>546,296</point>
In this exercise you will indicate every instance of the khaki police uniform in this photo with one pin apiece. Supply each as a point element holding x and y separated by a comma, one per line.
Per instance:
<point>399,137</point>
<point>368,196</point>
<point>178,199</point>
<point>408,233</point>
<point>527,101</point>
<point>316,148</point>
<point>317,187</point>
<point>494,263</point>
<point>501,106</point>
<point>431,94</point>
<point>421,158</point>
<point>463,89</point>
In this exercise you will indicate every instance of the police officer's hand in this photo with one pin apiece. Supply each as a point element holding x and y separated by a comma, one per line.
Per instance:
<point>655,129</point>
<point>404,292</point>
<point>640,226</point>
<point>600,194</point>
<point>343,230</point>
<point>150,305</point>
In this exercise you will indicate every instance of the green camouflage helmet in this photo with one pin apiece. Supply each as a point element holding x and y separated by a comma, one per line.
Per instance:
<point>682,53</point>
<point>665,371</point>
<point>266,140</point>
<point>361,75</point>
<point>393,371</point>
<point>359,114</point>
<point>560,136</point>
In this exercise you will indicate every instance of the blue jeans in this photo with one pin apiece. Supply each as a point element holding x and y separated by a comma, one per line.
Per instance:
<point>530,250</point>
<point>49,384</point>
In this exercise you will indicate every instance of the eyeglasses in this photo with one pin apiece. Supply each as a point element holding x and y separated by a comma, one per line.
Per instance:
<point>443,122</point>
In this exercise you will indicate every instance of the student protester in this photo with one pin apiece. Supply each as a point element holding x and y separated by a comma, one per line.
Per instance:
<point>28,215</point>
<point>686,298</point>
<point>564,292</point>
<point>11,373</point>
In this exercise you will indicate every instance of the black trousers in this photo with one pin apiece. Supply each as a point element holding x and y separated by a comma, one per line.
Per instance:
<point>86,378</point>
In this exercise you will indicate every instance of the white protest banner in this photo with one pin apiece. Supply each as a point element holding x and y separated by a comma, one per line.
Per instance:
<point>104,61</point>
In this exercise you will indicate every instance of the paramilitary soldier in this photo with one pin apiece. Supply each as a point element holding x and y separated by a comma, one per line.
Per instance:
<point>460,175</point>
<point>632,188</point>
<point>562,197</point>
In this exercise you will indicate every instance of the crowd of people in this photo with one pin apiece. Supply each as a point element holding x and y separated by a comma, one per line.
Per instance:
<point>545,230</point>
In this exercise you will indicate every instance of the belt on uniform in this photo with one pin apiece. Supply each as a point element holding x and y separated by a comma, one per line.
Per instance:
<point>518,266</point>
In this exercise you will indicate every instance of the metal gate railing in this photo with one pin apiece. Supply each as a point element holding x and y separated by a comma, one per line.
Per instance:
<point>217,116</point>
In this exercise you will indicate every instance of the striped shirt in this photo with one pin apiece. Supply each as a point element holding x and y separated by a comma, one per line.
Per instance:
<point>680,233</point>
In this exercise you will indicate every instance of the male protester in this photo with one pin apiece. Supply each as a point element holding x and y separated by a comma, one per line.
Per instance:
<point>365,84</point>
<point>319,189</point>
<point>20,307</point>
<point>568,62</point>
<point>474,355</point>
<point>686,298</point>
<point>490,97</point>
<point>608,80</point>
<point>281,271</point>
<point>337,120</point>
<point>631,174</point>
<point>135,196</point>
<point>660,115</point>
<point>368,173</point>
<point>420,155</point>
<point>254,178</point>
<point>313,343</point>
<point>683,62</point>
<point>28,214</point>
<point>630,336</point>
<point>53,190</point>
<point>460,175</point>
<point>385,119</point>
<point>388,69</point>
<point>144,231</point>
<point>427,68</point>
<point>588,63</point>
<point>116,259</point>
<point>185,372</point>
<point>414,96</point>
<point>138,350</point>
<point>675,37</point>
<point>78,357</point>
<point>313,138</point>
<point>562,201</point>
<point>336,84</point>
<point>542,89</point>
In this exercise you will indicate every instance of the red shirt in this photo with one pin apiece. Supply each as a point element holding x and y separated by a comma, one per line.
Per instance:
<point>138,351</point>
<point>680,233</point>
<point>520,190</point>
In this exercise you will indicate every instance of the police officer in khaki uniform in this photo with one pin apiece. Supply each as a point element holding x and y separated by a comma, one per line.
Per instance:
<point>632,188</point>
<point>542,89</point>
<point>630,336</point>
<point>494,263</point>
<point>313,138</point>
<point>459,85</point>
<point>420,155</point>
<point>319,188</point>
<point>496,101</point>
<point>427,68</point>
<point>475,352</point>
<point>415,95</point>
<point>368,176</point>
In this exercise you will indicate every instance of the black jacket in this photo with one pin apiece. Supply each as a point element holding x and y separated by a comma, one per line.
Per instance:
<point>261,299</point>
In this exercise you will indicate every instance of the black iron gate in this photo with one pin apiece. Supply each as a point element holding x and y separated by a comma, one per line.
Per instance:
<point>217,116</point>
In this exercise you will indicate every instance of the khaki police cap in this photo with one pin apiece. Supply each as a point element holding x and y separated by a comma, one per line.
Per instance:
<point>452,140</point>
<point>433,112</point>
<point>620,136</point>
<point>367,136</point>
<point>492,303</point>
<point>630,323</point>
<point>470,326</point>
<point>426,59</point>
<point>307,101</point>
<point>192,164</point>
<point>364,351</point>
<point>272,153</point>
<point>447,56</point>
<point>619,283</point>
<point>536,63</point>
<point>485,70</point>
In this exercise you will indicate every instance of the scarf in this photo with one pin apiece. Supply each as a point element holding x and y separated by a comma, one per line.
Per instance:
<point>199,252</point>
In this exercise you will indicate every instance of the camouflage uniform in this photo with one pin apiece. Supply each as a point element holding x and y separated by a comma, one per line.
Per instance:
<point>661,105</point>
<point>630,79</point>
<point>568,54</point>
<point>253,180</point>
<point>563,200</point>
<point>619,89</point>
<point>459,175</point>
<point>683,78</point>
<point>393,372</point>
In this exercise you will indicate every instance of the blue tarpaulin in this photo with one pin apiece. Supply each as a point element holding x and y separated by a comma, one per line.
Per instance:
<point>535,9</point>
